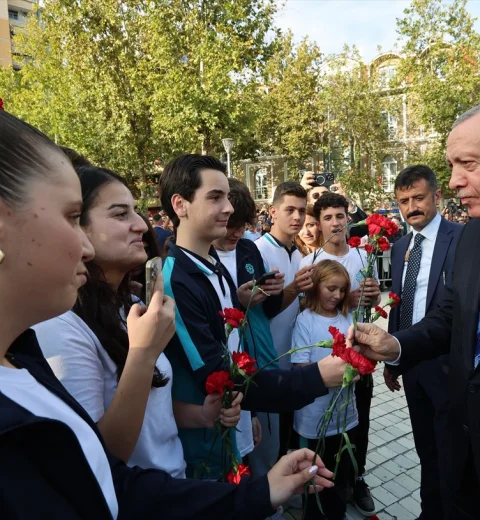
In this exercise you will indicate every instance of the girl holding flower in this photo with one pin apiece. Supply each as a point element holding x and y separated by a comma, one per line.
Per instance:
<point>326,306</point>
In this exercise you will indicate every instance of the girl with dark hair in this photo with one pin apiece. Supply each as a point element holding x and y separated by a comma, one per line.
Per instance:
<point>54,463</point>
<point>126,390</point>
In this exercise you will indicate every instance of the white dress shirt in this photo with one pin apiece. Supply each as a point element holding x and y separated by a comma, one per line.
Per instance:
<point>430,233</point>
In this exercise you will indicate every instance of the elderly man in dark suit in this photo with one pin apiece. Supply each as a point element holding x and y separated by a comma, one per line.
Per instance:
<point>452,327</point>
<point>421,286</point>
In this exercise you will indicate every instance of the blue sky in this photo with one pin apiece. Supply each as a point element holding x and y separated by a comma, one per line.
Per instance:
<point>365,23</point>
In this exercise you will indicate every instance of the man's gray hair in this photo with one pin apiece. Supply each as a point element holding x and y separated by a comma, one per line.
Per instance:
<point>467,115</point>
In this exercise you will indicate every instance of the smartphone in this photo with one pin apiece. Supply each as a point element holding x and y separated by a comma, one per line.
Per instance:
<point>265,277</point>
<point>152,268</point>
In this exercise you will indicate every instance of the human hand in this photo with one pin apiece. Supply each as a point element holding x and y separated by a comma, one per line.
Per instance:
<point>292,471</point>
<point>257,431</point>
<point>339,189</point>
<point>229,417</point>
<point>274,286</point>
<point>390,380</point>
<point>331,369</point>
<point>244,294</point>
<point>303,279</point>
<point>308,180</point>
<point>370,293</point>
<point>150,330</point>
<point>373,342</point>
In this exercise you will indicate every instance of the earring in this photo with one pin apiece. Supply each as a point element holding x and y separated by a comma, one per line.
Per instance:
<point>2,256</point>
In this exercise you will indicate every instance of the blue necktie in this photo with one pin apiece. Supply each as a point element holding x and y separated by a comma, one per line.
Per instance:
<point>476,360</point>
<point>408,292</point>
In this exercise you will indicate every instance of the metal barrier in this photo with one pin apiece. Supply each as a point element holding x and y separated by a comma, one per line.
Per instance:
<point>384,268</point>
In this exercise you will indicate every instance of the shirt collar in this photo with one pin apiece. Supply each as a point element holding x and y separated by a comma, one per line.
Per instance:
<point>430,231</point>
<point>277,242</point>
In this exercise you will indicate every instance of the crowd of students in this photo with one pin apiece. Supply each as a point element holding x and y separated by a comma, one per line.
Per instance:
<point>104,409</point>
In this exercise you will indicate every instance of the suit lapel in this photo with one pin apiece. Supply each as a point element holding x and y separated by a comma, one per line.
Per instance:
<point>442,243</point>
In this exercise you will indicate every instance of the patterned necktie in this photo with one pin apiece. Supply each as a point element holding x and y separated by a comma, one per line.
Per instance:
<point>476,360</point>
<point>408,292</point>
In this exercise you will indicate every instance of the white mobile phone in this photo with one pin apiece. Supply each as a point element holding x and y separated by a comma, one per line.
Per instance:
<point>152,268</point>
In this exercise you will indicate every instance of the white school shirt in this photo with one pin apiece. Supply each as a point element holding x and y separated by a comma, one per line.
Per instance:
<point>244,432</point>
<point>430,233</point>
<point>275,254</point>
<point>309,329</point>
<point>22,388</point>
<point>80,362</point>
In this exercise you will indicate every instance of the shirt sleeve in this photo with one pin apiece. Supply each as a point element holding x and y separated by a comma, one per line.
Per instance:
<point>301,338</point>
<point>73,357</point>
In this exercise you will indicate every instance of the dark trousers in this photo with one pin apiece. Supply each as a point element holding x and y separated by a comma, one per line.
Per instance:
<point>363,397</point>
<point>427,397</point>
<point>289,439</point>
<point>464,502</point>
<point>333,500</point>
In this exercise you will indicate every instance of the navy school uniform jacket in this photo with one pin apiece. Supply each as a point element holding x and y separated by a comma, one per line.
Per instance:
<point>196,351</point>
<point>259,341</point>
<point>44,473</point>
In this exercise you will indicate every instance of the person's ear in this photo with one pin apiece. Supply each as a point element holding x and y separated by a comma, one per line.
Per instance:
<point>438,196</point>
<point>179,205</point>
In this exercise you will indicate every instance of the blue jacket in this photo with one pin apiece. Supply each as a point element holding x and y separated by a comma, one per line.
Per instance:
<point>196,351</point>
<point>44,473</point>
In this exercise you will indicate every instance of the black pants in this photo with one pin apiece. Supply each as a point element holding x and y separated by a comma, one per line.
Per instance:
<point>427,398</point>
<point>333,500</point>
<point>363,396</point>
<point>464,502</point>
<point>289,439</point>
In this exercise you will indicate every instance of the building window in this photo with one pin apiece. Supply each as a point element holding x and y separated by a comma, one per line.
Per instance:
<point>261,190</point>
<point>386,75</point>
<point>13,15</point>
<point>392,125</point>
<point>389,165</point>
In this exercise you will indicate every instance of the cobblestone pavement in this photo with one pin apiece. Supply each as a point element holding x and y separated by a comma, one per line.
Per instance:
<point>393,470</point>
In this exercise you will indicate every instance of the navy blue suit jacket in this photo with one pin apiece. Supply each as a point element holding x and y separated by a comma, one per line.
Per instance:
<point>440,271</point>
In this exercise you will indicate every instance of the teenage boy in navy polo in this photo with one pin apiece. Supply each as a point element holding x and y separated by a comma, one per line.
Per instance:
<point>244,262</point>
<point>194,192</point>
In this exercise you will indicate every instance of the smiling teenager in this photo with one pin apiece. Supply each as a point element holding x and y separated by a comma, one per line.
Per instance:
<point>54,461</point>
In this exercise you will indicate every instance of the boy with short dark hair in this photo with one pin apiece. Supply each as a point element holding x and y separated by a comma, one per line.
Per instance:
<point>195,194</point>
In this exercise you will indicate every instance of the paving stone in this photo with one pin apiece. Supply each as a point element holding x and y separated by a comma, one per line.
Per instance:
<point>411,505</point>
<point>383,495</point>
<point>385,516</point>
<point>416,496</point>
<point>399,512</point>
<point>397,447</point>
<point>382,473</point>
<point>396,432</point>
<point>384,434</point>
<point>405,426</point>
<point>414,473</point>
<point>372,480</point>
<point>412,455</point>
<point>408,482</point>
<point>393,467</point>
<point>396,489</point>
<point>376,457</point>
<point>408,443</point>
<point>400,414</point>
<point>405,462</point>
<point>353,514</point>
<point>386,452</point>
<point>379,441</point>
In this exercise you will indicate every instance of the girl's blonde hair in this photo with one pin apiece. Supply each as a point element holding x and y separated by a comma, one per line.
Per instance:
<point>322,272</point>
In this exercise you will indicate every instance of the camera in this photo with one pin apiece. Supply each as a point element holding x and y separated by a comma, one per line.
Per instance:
<point>325,179</point>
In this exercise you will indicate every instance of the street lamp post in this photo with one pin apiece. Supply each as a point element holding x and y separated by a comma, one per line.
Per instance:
<point>228,144</point>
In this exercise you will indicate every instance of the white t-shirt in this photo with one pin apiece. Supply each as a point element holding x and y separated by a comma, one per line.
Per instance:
<point>20,386</point>
<point>276,255</point>
<point>309,329</point>
<point>244,433</point>
<point>86,370</point>
<point>354,261</point>
<point>229,260</point>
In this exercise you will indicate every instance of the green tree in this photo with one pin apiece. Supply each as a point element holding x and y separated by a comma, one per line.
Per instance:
<point>440,69</point>
<point>290,123</point>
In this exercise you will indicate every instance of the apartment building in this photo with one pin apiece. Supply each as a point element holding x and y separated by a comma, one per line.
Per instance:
<point>13,15</point>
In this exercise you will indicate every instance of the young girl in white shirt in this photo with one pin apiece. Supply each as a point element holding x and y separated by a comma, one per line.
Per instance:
<point>326,305</point>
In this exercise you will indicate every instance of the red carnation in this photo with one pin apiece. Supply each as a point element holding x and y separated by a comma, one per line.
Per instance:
<point>359,362</point>
<point>370,249</point>
<point>233,317</point>
<point>244,362</point>
<point>354,242</point>
<point>375,224</point>
<point>339,345</point>
<point>218,382</point>
<point>393,299</point>
<point>381,311</point>
<point>390,228</point>
<point>234,477</point>
<point>383,244</point>
<point>1,104</point>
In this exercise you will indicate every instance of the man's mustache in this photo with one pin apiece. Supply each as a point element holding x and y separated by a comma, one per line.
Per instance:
<point>416,213</point>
